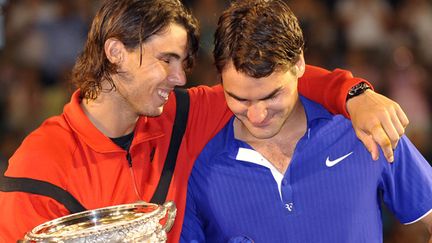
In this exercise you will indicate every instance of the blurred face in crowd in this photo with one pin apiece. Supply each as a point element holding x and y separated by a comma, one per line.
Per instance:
<point>147,76</point>
<point>262,105</point>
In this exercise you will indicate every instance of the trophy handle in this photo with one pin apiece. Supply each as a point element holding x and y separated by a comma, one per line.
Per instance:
<point>171,212</point>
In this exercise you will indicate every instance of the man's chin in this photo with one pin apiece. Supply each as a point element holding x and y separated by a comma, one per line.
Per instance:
<point>154,113</point>
<point>262,133</point>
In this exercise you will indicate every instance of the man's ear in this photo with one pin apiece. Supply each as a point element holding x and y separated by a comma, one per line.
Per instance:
<point>300,66</point>
<point>114,50</point>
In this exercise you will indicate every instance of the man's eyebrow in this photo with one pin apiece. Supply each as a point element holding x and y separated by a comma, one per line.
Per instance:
<point>170,55</point>
<point>235,96</point>
<point>271,95</point>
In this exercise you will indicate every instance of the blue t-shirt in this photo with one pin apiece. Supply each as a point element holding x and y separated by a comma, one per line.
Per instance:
<point>331,191</point>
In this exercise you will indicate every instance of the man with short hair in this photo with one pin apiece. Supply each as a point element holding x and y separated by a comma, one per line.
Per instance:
<point>113,140</point>
<point>284,169</point>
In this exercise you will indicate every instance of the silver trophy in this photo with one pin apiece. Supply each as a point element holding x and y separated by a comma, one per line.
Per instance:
<point>135,222</point>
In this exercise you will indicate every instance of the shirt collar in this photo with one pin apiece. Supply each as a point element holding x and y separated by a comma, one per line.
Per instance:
<point>314,111</point>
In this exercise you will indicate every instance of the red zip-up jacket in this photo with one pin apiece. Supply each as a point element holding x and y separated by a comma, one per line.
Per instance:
<point>69,152</point>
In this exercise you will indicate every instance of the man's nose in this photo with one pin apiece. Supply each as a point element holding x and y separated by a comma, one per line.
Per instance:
<point>257,112</point>
<point>177,77</point>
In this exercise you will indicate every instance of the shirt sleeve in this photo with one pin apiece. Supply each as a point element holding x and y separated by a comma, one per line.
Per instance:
<point>208,114</point>
<point>36,159</point>
<point>407,184</point>
<point>35,209</point>
<point>330,89</point>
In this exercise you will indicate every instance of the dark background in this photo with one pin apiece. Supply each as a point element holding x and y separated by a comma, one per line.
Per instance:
<point>386,42</point>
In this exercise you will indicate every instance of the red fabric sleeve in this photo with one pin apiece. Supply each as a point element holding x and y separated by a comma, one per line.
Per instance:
<point>207,115</point>
<point>35,209</point>
<point>330,89</point>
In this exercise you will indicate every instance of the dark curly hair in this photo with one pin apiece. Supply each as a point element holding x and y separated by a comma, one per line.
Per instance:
<point>132,22</point>
<point>259,36</point>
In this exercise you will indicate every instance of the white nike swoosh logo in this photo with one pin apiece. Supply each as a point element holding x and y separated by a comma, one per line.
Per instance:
<point>331,163</point>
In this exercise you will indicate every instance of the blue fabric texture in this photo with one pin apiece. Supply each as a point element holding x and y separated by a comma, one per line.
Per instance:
<point>231,200</point>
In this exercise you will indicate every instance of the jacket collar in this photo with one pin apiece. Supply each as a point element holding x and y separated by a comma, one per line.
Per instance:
<point>84,128</point>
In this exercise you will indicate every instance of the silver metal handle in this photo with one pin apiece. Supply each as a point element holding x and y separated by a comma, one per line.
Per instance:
<point>171,212</point>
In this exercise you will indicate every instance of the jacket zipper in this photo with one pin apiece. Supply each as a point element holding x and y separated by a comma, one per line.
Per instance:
<point>129,160</point>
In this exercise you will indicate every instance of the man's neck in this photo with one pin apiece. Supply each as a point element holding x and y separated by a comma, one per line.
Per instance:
<point>278,149</point>
<point>110,115</point>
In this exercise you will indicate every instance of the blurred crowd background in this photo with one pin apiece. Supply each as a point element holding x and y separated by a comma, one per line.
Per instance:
<point>387,42</point>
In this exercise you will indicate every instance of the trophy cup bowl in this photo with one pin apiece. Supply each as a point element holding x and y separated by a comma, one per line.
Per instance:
<point>135,222</point>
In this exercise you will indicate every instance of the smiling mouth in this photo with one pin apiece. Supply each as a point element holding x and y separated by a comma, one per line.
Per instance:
<point>263,124</point>
<point>163,94</point>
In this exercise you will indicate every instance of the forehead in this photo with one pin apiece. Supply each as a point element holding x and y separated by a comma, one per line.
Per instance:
<point>172,39</point>
<point>242,85</point>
